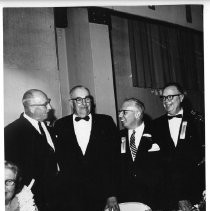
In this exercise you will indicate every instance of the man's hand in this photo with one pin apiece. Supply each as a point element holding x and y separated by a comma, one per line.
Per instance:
<point>112,204</point>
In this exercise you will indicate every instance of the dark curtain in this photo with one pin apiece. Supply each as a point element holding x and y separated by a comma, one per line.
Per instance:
<point>162,53</point>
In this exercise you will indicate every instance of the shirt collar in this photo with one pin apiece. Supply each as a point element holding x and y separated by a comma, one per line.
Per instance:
<point>32,121</point>
<point>138,129</point>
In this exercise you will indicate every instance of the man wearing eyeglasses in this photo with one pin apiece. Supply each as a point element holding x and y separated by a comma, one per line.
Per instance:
<point>141,173</point>
<point>177,134</point>
<point>29,143</point>
<point>87,148</point>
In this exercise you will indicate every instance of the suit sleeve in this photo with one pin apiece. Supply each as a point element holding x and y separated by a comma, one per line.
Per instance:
<point>10,145</point>
<point>115,153</point>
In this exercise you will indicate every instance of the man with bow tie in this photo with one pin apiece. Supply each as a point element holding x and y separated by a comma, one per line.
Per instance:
<point>177,135</point>
<point>29,143</point>
<point>141,171</point>
<point>88,154</point>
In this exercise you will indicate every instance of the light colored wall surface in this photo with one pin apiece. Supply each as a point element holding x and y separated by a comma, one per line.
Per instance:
<point>170,13</point>
<point>89,59</point>
<point>79,54</point>
<point>102,70</point>
<point>63,71</point>
<point>29,58</point>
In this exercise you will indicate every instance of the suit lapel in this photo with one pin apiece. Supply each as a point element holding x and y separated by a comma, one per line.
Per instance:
<point>127,154</point>
<point>144,142</point>
<point>38,144</point>
<point>167,133</point>
<point>93,135</point>
<point>28,125</point>
<point>184,119</point>
<point>72,134</point>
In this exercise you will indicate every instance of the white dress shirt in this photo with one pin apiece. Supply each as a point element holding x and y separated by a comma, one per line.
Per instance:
<point>174,127</point>
<point>139,132</point>
<point>82,130</point>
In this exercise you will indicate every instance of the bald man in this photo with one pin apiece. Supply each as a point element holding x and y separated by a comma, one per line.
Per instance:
<point>141,164</point>
<point>30,144</point>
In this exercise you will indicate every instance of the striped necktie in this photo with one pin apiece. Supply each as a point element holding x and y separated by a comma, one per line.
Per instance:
<point>133,145</point>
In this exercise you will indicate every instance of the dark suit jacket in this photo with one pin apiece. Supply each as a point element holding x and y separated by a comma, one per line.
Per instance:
<point>31,152</point>
<point>181,162</point>
<point>141,179</point>
<point>88,179</point>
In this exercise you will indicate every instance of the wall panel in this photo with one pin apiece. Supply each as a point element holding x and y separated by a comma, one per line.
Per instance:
<point>30,59</point>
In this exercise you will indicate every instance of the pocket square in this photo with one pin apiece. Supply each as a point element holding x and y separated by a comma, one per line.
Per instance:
<point>154,148</point>
<point>147,135</point>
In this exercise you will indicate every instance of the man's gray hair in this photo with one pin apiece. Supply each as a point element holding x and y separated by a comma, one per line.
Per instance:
<point>78,87</point>
<point>29,95</point>
<point>137,103</point>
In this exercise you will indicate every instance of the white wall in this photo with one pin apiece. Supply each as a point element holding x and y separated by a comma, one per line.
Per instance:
<point>89,59</point>
<point>102,70</point>
<point>30,59</point>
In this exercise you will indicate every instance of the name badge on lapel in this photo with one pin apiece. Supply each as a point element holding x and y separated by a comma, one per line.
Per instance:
<point>183,130</point>
<point>123,145</point>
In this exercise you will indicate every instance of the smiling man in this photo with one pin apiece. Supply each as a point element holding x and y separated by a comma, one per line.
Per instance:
<point>141,170</point>
<point>177,135</point>
<point>29,143</point>
<point>88,153</point>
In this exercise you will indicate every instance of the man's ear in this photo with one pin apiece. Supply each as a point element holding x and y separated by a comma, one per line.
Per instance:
<point>138,115</point>
<point>181,97</point>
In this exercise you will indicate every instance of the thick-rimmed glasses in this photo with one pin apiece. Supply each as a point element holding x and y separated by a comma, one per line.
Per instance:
<point>168,97</point>
<point>80,100</point>
<point>43,104</point>
<point>10,182</point>
<point>124,112</point>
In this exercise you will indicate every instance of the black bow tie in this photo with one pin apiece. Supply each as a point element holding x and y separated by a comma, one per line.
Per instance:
<point>176,116</point>
<point>79,118</point>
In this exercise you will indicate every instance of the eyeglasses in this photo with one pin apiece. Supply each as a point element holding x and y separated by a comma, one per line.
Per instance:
<point>44,104</point>
<point>79,100</point>
<point>10,182</point>
<point>168,97</point>
<point>124,112</point>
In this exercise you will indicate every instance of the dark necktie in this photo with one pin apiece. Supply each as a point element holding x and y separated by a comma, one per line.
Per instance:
<point>41,129</point>
<point>44,135</point>
<point>132,144</point>
<point>79,118</point>
<point>176,116</point>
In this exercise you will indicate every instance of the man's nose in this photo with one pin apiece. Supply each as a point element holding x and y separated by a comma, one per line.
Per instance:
<point>120,114</point>
<point>49,107</point>
<point>84,101</point>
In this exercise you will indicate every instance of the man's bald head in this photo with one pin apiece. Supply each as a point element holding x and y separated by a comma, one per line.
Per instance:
<point>32,95</point>
<point>36,104</point>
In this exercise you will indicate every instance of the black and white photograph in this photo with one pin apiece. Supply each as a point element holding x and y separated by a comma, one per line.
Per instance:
<point>104,105</point>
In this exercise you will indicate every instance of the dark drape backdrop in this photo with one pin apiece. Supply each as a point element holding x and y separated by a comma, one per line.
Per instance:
<point>162,53</point>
